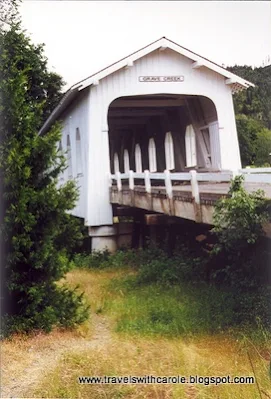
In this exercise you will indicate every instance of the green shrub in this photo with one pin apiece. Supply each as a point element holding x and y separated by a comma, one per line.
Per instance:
<point>95,260</point>
<point>239,223</point>
<point>69,309</point>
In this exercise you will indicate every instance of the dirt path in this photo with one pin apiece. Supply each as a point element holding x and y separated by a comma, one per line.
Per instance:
<point>36,358</point>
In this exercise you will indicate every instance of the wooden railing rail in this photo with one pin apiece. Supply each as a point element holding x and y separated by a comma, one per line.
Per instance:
<point>253,175</point>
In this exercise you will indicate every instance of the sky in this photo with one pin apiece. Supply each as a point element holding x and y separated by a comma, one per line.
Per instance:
<point>82,37</point>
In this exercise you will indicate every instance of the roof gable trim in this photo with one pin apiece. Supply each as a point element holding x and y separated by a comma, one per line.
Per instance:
<point>162,44</point>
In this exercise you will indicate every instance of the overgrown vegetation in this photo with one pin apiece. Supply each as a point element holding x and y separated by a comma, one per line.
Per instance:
<point>197,291</point>
<point>36,230</point>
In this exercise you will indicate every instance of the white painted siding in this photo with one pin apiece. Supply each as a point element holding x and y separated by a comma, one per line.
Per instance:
<point>76,117</point>
<point>79,168</point>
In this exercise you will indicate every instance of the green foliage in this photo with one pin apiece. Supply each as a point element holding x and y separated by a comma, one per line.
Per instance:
<point>179,268</point>
<point>253,107</point>
<point>253,116</point>
<point>103,259</point>
<point>94,260</point>
<point>254,102</point>
<point>254,141</point>
<point>8,12</point>
<point>60,306</point>
<point>263,148</point>
<point>239,219</point>
<point>181,309</point>
<point>241,258</point>
<point>39,88</point>
<point>37,231</point>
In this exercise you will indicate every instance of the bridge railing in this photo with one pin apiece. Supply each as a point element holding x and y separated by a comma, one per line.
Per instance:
<point>252,175</point>
<point>256,175</point>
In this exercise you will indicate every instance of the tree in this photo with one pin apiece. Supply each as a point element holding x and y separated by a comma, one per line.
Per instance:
<point>8,12</point>
<point>35,225</point>
<point>254,102</point>
<point>254,141</point>
<point>263,148</point>
<point>247,129</point>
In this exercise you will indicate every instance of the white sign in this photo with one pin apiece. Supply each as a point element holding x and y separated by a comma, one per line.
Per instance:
<point>161,79</point>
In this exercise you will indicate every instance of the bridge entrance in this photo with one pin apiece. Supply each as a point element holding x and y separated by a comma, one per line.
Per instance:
<point>163,132</point>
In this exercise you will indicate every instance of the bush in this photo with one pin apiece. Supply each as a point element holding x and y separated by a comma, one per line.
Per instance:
<point>68,310</point>
<point>239,229</point>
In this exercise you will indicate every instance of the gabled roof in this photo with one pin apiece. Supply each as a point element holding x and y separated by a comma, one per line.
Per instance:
<point>233,80</point>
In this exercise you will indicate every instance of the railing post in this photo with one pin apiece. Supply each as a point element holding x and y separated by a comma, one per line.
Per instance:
<point>118,181</point>
<point>168,183</point>
<point>195,186</point>
<point>131,180</point>
<point>147,181</point>
<point>236,173</point>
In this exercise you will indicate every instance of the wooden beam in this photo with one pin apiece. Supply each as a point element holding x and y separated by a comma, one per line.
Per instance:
<point>230,81</point>
<point>160,219</point>
<point>127,122</point>
<point>197,65</point>
<point>129,64</point>
<point>135,112</point>
<point>125,211</point>
<point>147,103</point>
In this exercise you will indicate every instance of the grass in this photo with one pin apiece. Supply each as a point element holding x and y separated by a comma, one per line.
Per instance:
<point>181,309</point>
<point>139,356</point>
<point>158,331</point>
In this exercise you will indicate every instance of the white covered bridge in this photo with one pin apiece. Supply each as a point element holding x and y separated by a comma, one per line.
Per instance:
<point>156,131</point>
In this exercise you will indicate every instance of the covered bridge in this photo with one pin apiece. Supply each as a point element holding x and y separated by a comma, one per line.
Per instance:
<point>161,108</point>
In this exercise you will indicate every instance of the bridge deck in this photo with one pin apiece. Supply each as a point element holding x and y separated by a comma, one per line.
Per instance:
<point>182,204</point>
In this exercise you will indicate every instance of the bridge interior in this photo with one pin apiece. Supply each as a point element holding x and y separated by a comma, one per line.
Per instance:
<point>161,132</point>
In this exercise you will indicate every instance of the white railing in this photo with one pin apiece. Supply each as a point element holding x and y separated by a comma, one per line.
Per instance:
<point>255,170</point>
<point>257,175</point>
<point>252,175</point>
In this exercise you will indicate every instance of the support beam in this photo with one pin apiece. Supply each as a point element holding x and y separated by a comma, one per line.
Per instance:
<point>160,219</point>
<point>135,112</point>
<point>128,121</point>
<point>147,103</point>
<point>230,81</point>
<point>125,211</point>
<point>130,63</point>
<point>197,65</point>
